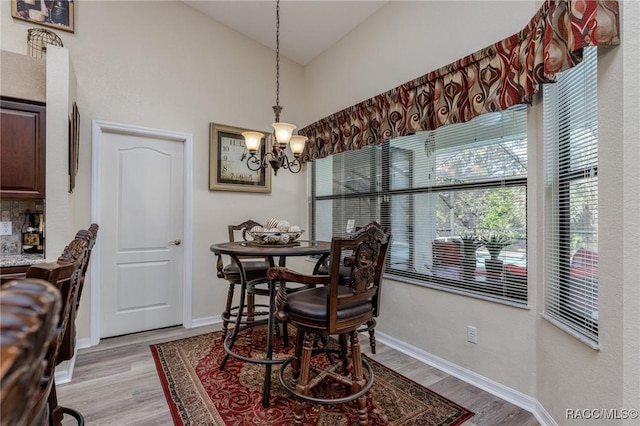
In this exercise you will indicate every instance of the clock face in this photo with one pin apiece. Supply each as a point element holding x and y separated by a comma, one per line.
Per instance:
<point>233,161</point>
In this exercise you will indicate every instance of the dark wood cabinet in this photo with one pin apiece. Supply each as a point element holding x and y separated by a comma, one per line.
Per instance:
<point>22,150</point>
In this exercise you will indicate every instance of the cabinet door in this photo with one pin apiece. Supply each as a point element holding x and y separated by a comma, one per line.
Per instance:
<point>22,150</point>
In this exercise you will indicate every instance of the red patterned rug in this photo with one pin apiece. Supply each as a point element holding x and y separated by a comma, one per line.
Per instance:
<point>198,393</point>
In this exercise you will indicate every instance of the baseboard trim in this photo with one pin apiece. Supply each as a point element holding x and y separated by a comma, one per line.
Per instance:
<point>83,343</point>
<point>512,396</point>
<point>64,371</point>
<point>216,319</point>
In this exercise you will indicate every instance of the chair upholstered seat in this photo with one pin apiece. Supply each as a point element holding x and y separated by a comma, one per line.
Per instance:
<point>312,304</point>
<point>253,268</point>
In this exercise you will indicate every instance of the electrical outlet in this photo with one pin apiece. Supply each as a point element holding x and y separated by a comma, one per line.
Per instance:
<point>5,228</point>
<point>472,334</point>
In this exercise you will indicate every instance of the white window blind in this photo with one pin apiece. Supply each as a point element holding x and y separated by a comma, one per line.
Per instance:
<point>571,230</point>
<point>434,190</point>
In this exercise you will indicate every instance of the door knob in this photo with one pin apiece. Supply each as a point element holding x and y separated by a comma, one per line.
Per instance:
<point>175,242</point>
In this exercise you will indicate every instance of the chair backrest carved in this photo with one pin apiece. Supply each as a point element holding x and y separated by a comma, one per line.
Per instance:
<point>90,235</point>
<point>29,312</point>
<point>82,245</point>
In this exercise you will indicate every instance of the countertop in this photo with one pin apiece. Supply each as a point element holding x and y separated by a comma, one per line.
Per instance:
<point>25,259</point>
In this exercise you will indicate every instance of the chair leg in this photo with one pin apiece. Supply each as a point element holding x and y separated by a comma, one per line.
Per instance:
<point>372,335</point>
<point>344,353</point>
<point>226,315</point>
<point>295,361</point>
<point>358,378</point>
<point>55,411</point>
<point>251,306</point>
<point>303,384</point>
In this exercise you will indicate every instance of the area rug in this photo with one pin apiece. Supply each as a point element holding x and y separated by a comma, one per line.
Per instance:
<point>198,393</point>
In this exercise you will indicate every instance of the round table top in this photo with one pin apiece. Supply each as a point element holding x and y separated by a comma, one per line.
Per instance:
<point>249,248</point>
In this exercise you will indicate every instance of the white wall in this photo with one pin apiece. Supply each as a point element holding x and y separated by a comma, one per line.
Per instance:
<point>515,346</point>
<point>162,65</point>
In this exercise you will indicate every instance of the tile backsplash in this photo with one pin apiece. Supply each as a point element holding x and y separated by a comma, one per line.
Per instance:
<point>14,211</point>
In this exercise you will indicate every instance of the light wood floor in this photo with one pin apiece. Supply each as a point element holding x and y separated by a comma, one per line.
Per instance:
<point>115,383</point>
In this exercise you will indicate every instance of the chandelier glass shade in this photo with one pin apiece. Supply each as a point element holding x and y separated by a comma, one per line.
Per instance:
<point>282,132</point>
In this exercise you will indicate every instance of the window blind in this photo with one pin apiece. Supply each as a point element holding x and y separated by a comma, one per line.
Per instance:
<point>441,193</point>
<point>571,231</point>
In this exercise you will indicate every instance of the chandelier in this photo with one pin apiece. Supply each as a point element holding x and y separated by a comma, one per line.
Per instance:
<point>282,132</point>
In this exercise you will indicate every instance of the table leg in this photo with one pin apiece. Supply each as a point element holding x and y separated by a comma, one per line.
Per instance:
<point>266,391</point>
<point>229,341</point>
<point>285,331</point>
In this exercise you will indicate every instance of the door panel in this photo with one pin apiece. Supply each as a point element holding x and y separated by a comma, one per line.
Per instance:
<point>141,200</point>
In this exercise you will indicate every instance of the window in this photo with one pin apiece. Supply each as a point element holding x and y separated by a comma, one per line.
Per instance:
<point>438,192</point>
<point>571,234</point>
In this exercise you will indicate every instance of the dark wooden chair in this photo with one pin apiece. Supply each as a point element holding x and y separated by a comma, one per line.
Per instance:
<point>255,269</point>
<point>29,313</point>
<point>333,307</point>
<point>85,239</point>
<point>67,274</point>
<point>345,273</point>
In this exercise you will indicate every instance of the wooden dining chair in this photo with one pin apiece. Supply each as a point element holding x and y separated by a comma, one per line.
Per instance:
<point>29,313</point>
<point>333,307</point>
<point>345,272</point>
<point>85,240</point>
<point>255,269</point>
<point>67,274</point>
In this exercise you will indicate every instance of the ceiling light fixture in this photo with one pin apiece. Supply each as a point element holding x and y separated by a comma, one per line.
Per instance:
<point>282,132</point>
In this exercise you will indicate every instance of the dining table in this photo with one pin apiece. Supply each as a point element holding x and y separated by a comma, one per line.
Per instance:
<point>243,249</point>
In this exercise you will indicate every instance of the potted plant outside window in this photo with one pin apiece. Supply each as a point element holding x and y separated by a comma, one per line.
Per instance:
<point>470,244</point>
<point>495,243</point>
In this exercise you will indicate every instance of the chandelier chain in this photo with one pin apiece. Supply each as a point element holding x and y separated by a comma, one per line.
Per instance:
<point>277,109</point>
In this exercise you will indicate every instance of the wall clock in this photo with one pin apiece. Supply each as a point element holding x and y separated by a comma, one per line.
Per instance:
<point>228,169</point>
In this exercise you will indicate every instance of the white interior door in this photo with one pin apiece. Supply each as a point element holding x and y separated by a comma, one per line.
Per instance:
<point>141,182</point>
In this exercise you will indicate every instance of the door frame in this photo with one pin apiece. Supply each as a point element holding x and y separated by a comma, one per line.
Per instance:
<point>99,128</point>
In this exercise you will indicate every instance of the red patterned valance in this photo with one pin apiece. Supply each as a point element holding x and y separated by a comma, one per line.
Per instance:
<point>504,74</point>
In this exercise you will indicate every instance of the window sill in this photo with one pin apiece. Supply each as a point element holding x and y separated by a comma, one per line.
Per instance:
<point>453,290</point>
<point>573,333</point>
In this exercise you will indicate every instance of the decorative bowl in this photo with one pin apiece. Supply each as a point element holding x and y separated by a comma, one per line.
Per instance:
<point>271,237</point>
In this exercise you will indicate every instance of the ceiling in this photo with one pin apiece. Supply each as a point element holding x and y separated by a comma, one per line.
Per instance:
<point>307,27</point>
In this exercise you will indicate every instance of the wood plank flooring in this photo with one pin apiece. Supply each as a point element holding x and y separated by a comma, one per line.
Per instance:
<point>115,383</point>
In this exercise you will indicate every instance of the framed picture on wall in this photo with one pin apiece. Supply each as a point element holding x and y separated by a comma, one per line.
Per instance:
<point>228,169</point>
<point>55,14</point>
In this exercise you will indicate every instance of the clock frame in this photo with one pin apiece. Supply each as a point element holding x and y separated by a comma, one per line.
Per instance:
<point>228,169</point>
